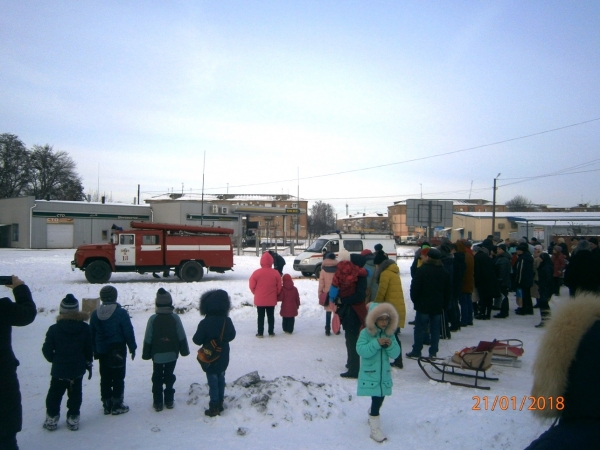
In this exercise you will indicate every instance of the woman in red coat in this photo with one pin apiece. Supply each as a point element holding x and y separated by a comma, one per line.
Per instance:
<point>265,284</point>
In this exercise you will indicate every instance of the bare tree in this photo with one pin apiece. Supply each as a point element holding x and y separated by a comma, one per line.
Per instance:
<point>53,175</point>
<point>519,203</point>
<point>14,166</point>
<point>321,218</point>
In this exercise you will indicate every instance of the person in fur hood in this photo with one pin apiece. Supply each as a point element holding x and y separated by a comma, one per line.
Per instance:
<point>376,346</point>
<point>68,346</point>
<point>566,369</point>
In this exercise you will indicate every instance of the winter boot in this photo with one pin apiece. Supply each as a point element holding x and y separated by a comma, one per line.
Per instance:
<point>376,433</point>
<point>107,405</point>
<point>213,410</point>
<point>545,313</point>
<point>51,422</point>
<point>169,396</point>
<point>118,407</point>
<point>73,422</point>
<point>158,407</point>
<point>221,407</point>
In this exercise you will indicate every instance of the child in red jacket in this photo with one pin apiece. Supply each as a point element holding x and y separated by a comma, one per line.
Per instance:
<point>346,276</point>
<point>290,302</point>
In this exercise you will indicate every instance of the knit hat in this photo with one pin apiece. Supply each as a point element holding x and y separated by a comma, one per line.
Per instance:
<point>330,255</point>
<point>108,294</point>
<point>69,304</point>
<point>487,243</point>
<point>366,252</point>
<point>379,258</point>
<point>502,246</point>
<point>378,247</point>
<point>523,247</point>
<point>343,255</point>
<point>163,298</point>
<point>434,253</point>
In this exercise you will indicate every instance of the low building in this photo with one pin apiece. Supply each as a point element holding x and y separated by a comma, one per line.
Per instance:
<point>400,229</point>
<point>29,223</point>
<point>542,225</point>
<point>273,218</point>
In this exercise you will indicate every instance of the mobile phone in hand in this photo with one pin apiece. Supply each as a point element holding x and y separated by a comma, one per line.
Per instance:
<point>5,280</point>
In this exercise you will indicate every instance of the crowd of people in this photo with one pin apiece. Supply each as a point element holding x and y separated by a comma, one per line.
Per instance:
<point>452,285</point>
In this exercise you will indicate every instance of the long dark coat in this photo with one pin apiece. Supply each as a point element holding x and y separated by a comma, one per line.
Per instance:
<point>430,288</point>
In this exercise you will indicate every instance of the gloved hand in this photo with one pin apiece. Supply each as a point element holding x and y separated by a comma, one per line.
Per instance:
<point>133,355</point>
<point>333,292</point>
<point>88,367</point>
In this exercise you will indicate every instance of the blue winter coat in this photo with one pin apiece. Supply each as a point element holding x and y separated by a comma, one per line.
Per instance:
<point>374,376</point>
<point>111,325</point>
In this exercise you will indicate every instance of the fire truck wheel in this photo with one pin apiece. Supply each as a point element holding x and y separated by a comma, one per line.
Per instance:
<point>98,272</point>
<point>191,271</point>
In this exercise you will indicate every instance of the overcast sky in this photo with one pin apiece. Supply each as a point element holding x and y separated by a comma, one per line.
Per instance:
<point>137,91</point>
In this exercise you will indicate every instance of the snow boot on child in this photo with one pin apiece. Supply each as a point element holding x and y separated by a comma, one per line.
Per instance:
<point>73,422</point>
<point>118,407</point>
<point>213,410</point>
<point>376,433</point>
<point>107,405</point>
<point>51,422</point>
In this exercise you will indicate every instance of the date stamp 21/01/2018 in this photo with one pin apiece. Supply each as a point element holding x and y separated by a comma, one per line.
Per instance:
<point>529,403</point>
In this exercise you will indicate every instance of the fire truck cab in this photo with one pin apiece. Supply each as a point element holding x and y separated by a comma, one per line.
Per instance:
<point>155,247</point>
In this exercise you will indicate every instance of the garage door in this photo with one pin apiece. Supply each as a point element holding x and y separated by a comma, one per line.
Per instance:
<point>59,235</point>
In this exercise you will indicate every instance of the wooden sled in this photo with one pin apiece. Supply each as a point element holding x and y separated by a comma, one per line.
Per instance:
<point>459,365</point>
<point>505,352</point>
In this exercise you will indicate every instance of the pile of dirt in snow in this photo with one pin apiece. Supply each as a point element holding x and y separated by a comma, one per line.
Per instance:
<point>285,398</point>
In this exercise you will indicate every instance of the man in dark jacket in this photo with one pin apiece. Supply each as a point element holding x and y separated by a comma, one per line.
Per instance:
<point>430,292</point>
<point>524,278</point>
<point>458,273</point>
<point>352,312</point>
<point>278,261</point>
<point>502,268</point>
<point>68,346</point>
<point>112,333</point>
<point>19,313</point>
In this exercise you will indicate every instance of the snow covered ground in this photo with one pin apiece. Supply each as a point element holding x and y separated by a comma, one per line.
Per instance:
<point>300,401</point>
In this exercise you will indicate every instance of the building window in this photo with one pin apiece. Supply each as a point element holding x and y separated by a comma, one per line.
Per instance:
<point>104,235</point>
<point>268,205</point>
<point>294,205</point>
<point>15,232</point>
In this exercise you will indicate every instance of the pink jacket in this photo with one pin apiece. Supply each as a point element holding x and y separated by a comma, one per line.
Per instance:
<point>326,276</point>
<point>289,298</point>
<point>265,283</point>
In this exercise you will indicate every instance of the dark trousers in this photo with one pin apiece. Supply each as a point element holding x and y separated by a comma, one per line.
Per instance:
<point>112,380</point>
<point>11,413</point>
<point>399,358</point>
<point>287,323</point>
<point>453,314</point>
<point>557,282</point>
<point>58,386</point>
<point>216,387</point>
<point>504,305</point>
<point>328,321</point>
<point>162,374</point>
<point>485,305</point>
<point>376,403</point>
<point>466,310</point>
<point>527,301</point>
<point>270,310</point>
<point>353,358</point>
<point>421,322</point>
<point>8,441</point>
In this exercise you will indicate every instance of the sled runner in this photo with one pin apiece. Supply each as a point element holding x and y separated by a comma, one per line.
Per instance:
<point>459,365</point>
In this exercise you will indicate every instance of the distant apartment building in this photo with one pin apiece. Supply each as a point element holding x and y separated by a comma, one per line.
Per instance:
<point>364,223</point>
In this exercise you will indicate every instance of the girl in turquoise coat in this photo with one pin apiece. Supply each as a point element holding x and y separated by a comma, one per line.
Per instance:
<point>376,346</point>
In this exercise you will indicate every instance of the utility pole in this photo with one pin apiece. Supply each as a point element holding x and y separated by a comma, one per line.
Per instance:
<point>202,199</point>
<point>494,206</point>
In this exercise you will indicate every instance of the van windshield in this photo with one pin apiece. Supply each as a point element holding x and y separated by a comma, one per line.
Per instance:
<point>317,246</point>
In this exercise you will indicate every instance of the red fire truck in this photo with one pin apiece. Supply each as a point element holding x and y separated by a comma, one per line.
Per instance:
<point>157,247</point>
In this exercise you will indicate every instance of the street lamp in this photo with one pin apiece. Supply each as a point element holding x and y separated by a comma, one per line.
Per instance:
<point>494,206</point>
